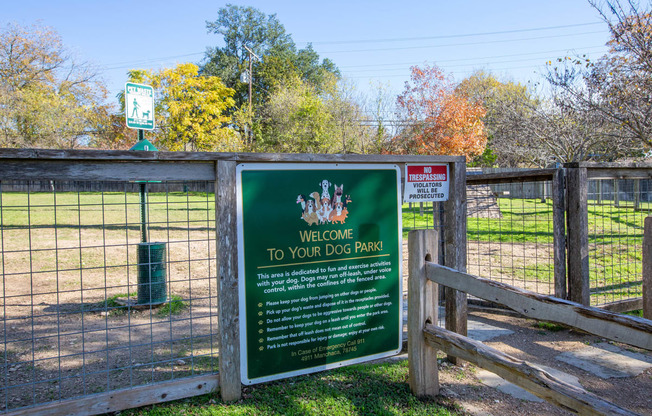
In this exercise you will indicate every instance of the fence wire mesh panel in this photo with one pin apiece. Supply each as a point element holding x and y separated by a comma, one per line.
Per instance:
<point>510,234</point>
<point>80,315</point>
<point>617,209</point>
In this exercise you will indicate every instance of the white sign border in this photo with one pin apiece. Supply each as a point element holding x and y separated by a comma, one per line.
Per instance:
<point>405,190</point>
<point>241,265</point>
<point>152,109</point>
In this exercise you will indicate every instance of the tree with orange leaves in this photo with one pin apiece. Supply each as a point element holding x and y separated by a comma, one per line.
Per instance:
<point>436,119</point>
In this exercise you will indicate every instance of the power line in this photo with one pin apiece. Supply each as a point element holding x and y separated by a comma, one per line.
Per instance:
<point>131,64</point>
<point>454,66</point>
<point>471,59</point>
<point>503,32</point>
<point>461,44</point>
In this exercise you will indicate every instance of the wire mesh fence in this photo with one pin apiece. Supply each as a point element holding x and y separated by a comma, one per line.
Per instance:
<point>72,322</point>
<point>617,210</point>
<point>510,234</point>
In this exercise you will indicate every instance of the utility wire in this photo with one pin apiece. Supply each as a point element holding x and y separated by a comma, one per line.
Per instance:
<point>462,44</point>
<point>464,35</point>
<point>473,59</point>
<point>131,64</point>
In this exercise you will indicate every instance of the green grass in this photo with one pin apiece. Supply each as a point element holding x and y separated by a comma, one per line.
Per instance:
<point>173,307</point>
<point>372,389</point>
<point>615,233</point>
<point>638,312</point>
<point>110,304</point>
<point>549,326</point>
<point>615,241</point>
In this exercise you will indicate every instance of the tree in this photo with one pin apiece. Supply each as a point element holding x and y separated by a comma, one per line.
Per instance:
<point>47,98</point>
<point>191,110</point>
<point>437,119</point>
<point>296,120</point>
<point>617,87</point>
<point>508,106</point>
<point>299,118</point>
<point>277,62</point>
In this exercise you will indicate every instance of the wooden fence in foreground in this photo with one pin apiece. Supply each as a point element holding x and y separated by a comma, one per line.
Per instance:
<point>425,338</point>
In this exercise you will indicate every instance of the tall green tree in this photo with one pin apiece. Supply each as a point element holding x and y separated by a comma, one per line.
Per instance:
<point>277,60</point>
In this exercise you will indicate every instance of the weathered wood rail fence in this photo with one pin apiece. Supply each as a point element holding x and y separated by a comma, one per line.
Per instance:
<point>219,169</point>
<point>425,338</point>
<point>569,187</point>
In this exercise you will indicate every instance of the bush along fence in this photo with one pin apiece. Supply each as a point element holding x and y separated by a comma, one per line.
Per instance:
<point>92,323</point>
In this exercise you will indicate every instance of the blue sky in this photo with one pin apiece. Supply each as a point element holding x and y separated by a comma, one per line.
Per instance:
<point>370,41</point>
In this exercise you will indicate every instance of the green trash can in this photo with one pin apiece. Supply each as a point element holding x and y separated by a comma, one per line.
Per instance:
<point>152,274</point>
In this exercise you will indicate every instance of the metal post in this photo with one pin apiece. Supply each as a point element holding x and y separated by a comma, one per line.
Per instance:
<point>143,201</point>
<point>143,213</point>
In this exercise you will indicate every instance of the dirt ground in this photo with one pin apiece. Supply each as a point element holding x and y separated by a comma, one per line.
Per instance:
<point>460,384</point>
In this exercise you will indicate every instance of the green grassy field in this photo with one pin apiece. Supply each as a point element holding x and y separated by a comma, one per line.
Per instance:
<point>519,244</point>
<point>516,246</point>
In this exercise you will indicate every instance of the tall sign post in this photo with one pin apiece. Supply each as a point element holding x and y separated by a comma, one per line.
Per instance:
<point>319,263</point>
<point>139,114</point>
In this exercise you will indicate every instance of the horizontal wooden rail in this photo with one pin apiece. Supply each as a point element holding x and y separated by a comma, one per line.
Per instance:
<point>116,155</point>
<point>626,329</point>
<point>533,175</point>
<point>521,373</point>
<point>118,400</point>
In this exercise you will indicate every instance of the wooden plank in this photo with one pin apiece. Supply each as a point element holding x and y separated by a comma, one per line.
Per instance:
<point>609,165</point>
<point>423,305</point>
<point>647,268</point>
<point>619,173</point>
<point>117,155</point>
<point>533,175</point>
<point>559,233</point>
<point>227,274</point>
<point>118,400</point>
<point>455,249</point>
<point>107,171</point>
<point>630,330</point>
<point>578,236</point>
<point>522,373</point>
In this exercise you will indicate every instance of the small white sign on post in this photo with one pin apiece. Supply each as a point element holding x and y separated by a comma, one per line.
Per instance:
<point>139,106</point>
<point>426,183</point>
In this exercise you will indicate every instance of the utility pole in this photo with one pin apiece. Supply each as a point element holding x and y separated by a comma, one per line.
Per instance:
<point>251,77</point>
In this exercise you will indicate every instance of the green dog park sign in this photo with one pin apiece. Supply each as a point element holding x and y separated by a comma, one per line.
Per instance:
<point>319,250</point>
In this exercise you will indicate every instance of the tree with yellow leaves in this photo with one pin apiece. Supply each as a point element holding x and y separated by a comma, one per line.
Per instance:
<point>191,110</point>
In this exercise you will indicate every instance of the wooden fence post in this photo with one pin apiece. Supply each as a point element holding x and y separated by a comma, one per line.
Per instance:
<point>578,235</point>
<point>227,275</point>
<point>455,248</point>
<point>423,304</point>
<point>616,193</point>
<point>647,268</point>
<point>559,232</point>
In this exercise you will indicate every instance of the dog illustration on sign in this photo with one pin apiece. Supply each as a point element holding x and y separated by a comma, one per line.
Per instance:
<point>319,208</point>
